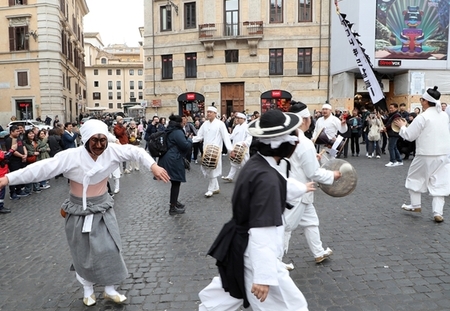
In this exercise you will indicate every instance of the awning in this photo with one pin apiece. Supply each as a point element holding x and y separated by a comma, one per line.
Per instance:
<point>96,108</point>
<point>190,97</point>
<point>136,107</point>
<point>276,94</point>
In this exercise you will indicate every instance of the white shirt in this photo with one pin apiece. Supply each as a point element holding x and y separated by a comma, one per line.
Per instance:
<point>331,124</point>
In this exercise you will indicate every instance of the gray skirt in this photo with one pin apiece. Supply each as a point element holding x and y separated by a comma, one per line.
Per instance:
<point>97,254</point>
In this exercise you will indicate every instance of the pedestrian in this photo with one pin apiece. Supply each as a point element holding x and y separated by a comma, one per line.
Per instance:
<point>90,222</point>
<point>249,247</point>
<point>395,158</point>
<point>56,121</point>
<point>120,131</point>
<point>135,139</point>
<point>239,136</point>
<point>69,137</point>
<point>214,135</point>
<point>305,167</point>
<point>173,161</point>
<point>374,124</point>
<point>4,157</point>
<point>48,120</point>
<point>17,160</point>
<point>429,169</point>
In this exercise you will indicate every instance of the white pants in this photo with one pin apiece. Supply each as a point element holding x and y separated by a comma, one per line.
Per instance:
<point>213,184</point>
<point>437,202</point>
<point>304,215</point>
<point>285,297</point>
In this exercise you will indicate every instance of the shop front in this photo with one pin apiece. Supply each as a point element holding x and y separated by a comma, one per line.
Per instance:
<point>275,99</point>
<point>191,104</point>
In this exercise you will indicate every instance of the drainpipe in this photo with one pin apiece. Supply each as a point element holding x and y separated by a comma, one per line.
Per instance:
<point>320,46</point>
<point>153,50</point>
<point>329,52</point>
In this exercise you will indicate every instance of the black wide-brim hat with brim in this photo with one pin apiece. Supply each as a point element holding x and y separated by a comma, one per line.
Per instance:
<point>274,123</point>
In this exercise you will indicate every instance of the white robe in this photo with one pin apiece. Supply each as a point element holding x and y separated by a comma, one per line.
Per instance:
<point>213,133</point>
<point>241,135</point>
<point>331,124</point>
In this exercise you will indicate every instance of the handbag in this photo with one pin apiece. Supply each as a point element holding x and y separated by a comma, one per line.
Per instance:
<point>31,159</point>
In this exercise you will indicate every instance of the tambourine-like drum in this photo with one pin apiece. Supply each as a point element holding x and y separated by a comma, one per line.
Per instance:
<point>211,155</point>
<point>239,153</point>
<point>344,185</point>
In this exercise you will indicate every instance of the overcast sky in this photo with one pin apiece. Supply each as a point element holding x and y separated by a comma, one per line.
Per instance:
<point>117,21</point>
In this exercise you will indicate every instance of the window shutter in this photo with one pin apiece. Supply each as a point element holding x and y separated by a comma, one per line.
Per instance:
<point>12,2</point>
<point>26,45</point>
<point>24,2</point>
<point>11,39</point>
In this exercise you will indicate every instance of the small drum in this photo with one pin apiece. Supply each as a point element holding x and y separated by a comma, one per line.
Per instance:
<point>211,156</point>
<point>344,185</point>
<point>239,153</point>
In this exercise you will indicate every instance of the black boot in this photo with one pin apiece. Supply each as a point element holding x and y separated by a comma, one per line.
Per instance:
<point>179,205</point>
<point>174,210</point>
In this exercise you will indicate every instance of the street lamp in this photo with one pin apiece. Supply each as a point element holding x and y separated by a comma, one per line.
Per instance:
<point>169,6</point>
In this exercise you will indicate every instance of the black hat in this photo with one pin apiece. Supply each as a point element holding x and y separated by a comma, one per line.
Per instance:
<point>274,123</point>
<point>434,93</point>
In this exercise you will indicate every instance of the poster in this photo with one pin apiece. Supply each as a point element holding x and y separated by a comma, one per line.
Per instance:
<point>412,29</point>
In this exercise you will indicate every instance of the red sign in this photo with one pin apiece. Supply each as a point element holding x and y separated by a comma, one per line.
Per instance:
<point>276,94</point>
<point>389,63</point>
<point>156,103</point>
<point>23,105</point>
<point>190,96</point>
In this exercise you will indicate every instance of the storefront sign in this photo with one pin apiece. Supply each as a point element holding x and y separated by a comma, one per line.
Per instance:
<point>190,96</point>
<point>276,94</point>
<point>156,103</point>
<point>389,63</point>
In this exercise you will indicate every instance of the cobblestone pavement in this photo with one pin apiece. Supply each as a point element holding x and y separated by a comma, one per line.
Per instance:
<point>384,258</point>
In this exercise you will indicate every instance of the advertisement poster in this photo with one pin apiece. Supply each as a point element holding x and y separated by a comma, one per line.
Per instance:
<point>412,29</point>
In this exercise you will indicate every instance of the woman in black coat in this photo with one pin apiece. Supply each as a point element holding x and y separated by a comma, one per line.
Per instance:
<point>173,161</point>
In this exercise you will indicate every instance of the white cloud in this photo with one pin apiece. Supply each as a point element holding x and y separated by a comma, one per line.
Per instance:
<point>117,21</point>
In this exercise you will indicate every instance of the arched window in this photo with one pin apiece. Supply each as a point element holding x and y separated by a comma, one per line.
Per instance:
<point>103,60</point>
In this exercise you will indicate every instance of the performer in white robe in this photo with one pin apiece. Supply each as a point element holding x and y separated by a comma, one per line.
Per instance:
<point>249,247</point>
<point>240,135</point>
<point>304,167</point>
<point>213,132</point>
<point>429,171</point>
<point>331,123</point>
<point>90,222</point>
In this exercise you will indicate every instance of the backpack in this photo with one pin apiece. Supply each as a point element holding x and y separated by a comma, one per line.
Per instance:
<point>374,133</point>
<point>157,144</point>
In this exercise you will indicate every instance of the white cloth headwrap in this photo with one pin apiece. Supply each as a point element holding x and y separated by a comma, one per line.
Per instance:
<point>275,142</point>
<point>240,115</point>
<point>90,128</point>
<point>211,108</point>
<point>303,114</point>
<point>326,106</point>
<point>430,98</point>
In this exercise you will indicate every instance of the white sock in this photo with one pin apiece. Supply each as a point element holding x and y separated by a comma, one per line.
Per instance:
<point>110,290</point>
<point>87,286</point>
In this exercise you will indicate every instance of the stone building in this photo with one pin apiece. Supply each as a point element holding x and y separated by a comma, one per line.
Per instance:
<point>42,59</point>
<point>240,55</point>
<point>115,77</point>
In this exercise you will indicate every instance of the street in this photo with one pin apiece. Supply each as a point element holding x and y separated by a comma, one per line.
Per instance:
<point>384,258</point>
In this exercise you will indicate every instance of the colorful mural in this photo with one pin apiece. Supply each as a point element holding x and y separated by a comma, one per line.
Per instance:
<point>412,29</point>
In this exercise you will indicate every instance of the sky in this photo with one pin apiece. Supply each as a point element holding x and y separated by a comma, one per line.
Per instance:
<point>117,21</point>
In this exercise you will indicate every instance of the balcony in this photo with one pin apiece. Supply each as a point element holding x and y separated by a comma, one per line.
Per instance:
<point>250,31</point>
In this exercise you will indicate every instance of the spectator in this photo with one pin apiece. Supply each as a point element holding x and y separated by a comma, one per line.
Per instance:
<point>394,155</point>
<point>69,136</point>
<point>56,121</point>
<point>17,160</point>
<point>120,131</point>
<point>48,120</point>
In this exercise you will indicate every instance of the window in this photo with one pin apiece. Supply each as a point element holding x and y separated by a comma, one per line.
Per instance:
<point>189,16</point>
<point>96,84</point>
<point>140,85</point>
<point>110,95</point>
<point>131,85</point>
<point>131,72</point>
<point>119,96</point>
<point>95,72</point>
<point>140,72</point>
<point>276,11</point>
<point>304,63</point>
<point>275,61</point>
<point>95,105</point>
<point>118,85</point>
<point>18,40</point>
<point>109,72</point>
<point>141,95</point>
<point>231,18</point>
<point>304,11</point>
<point>231,56</point>
<point>119,105</point>
<point>131,95</point>
<point>166,19</point>
<point>117,72</point>
<point>191,65</point>
<point>96,95</point>
<point>103,61</point>
<point>22,78</point>
<point>110,85</point>
<point>17,2</point>
<point>167,69</point>
<point>110,105</point>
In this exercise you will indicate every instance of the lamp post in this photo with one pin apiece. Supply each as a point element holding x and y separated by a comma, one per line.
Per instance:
<point>169,6</point>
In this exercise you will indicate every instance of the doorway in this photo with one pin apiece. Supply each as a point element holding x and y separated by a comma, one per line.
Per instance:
<point>232,97</point>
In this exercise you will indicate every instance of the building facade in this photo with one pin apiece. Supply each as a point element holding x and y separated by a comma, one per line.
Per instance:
<point>42,59</point>
<point>115,76</point>
<point>241,55</point>
<point>407,42</point>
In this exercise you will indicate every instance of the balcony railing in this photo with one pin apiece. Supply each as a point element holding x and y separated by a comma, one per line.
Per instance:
<point>222,31</point>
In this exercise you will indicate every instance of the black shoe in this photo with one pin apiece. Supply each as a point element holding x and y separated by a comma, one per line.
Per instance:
<point>22,194</point>
<point>5,211</point>
<point>179,205</point>
<point>174,210</point>
<point>14,197</point>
